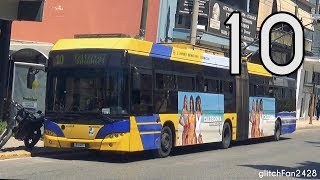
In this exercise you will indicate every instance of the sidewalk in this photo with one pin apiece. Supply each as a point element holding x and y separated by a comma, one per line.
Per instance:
<point>16,149</point>
<point>303,123</point>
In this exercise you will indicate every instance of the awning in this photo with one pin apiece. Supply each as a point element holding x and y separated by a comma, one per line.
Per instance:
<point>312,63</point>
<point>30,52</point>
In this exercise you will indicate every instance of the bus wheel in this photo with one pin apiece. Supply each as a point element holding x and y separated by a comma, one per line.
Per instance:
<point>277,131</point>
<point>165,142</point>
<point>226,136</point>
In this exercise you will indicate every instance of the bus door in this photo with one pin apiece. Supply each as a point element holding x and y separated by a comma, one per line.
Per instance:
<point>148,123</point>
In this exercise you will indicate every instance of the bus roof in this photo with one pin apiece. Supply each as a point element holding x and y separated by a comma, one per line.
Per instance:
<point>145,48</point>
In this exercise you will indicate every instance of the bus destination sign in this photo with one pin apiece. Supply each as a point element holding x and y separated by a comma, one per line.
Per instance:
<point>79,59</point>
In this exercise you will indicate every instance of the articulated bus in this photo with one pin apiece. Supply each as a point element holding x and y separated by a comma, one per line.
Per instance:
<point>128,95</point>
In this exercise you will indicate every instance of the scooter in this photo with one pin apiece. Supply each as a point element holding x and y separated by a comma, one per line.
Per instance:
<point>24,126</point>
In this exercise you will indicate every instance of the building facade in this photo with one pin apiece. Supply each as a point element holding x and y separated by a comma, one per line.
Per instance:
<point>65,18</point>
<point>175,23</point>
<point>32,41</point>
<point>308,84</point>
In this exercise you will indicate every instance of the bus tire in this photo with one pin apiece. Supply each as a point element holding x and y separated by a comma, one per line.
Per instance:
<point>165,143</point>
<point>226,136</point>
<point>277,130</point>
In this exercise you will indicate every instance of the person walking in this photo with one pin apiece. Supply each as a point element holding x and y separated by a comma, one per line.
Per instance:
<point>318,109</point>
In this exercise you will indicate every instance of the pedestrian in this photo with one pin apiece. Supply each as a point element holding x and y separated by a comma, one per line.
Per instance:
<point>318,109</point>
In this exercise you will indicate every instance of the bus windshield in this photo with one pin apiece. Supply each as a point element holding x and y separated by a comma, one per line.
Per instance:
<point>89,90</point>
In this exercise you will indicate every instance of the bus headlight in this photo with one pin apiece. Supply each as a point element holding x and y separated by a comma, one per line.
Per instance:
<point>49,133</point>
<point>115,135</point>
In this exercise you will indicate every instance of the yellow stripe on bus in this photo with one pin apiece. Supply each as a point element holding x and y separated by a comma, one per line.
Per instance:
<point>135,139</point>
<point>233,118</point>
<point>257,70</point>
<point>185,55</point>
<point>133,46</point>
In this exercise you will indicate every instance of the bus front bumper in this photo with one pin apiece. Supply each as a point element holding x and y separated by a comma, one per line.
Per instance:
<point>113,142</point>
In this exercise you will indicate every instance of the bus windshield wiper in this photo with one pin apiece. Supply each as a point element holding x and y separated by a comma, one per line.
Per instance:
<point>105,118</point>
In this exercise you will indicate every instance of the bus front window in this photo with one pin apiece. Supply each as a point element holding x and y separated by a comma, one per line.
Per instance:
<point>89,90</point>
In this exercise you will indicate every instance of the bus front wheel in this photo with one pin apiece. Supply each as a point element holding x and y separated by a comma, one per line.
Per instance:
<point>226,136</point>
<point>165,142</point>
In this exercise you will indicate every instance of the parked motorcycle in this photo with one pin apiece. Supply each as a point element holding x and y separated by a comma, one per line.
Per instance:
<point>23,125</point>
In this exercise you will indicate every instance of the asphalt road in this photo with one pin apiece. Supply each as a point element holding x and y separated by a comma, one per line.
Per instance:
<point>246,160</point>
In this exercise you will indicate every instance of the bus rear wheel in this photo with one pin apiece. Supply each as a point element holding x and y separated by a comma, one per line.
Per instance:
<point>226,136</point>
<point>165,143</point>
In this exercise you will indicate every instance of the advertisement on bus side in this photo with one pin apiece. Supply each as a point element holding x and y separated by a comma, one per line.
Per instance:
<point>200,117</point>
<point>261,116</point>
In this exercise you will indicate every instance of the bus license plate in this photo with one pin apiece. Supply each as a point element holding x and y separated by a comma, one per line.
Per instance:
<point>79,145</point>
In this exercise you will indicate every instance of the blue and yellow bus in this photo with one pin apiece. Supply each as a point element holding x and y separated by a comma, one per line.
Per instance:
<point>128,95</point>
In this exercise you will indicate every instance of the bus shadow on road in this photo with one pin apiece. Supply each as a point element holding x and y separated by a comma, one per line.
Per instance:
<point>313,142</point>
<point>307,169</point>
<point>216,146</point>
<point>258,141</point>
<point>109,157</point>
<point>316,144</point>
<point>106,157</point>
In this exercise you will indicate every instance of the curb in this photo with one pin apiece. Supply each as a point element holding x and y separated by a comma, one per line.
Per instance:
<point>14,155</point>
<point>308,127</point>
<point>23,154</point>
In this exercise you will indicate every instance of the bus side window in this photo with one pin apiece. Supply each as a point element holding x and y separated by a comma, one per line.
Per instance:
<point>165,81</point>
<point>185,83</point>
<point>271,92</point>
<point>259,90</point>
<point>141,94</point>
<point>227,87</point>
<point>165,101</point>
<point>251,89</point>
<point>212,85</point>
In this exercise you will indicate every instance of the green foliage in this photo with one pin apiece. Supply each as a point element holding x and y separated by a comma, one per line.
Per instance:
<point>3,125</point>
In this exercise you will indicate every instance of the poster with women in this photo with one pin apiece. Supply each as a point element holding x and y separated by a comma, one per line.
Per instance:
<point>261,117</point>
<point>200,117</point>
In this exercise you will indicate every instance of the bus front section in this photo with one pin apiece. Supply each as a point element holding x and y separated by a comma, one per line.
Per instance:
<point>87,100</point>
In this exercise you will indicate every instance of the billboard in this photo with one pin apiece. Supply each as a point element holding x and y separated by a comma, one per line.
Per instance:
<point>186,7</point>
<point>218,14</point>
<point>29,92</point>
<point>261,117</point>
<point>200,117</point>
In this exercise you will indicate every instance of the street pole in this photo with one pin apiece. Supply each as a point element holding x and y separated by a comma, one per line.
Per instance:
<point>312,97</point>
<point>313,80</point>
<point>194,23</point>
<point>5,36</point>
<point>143,22</point>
